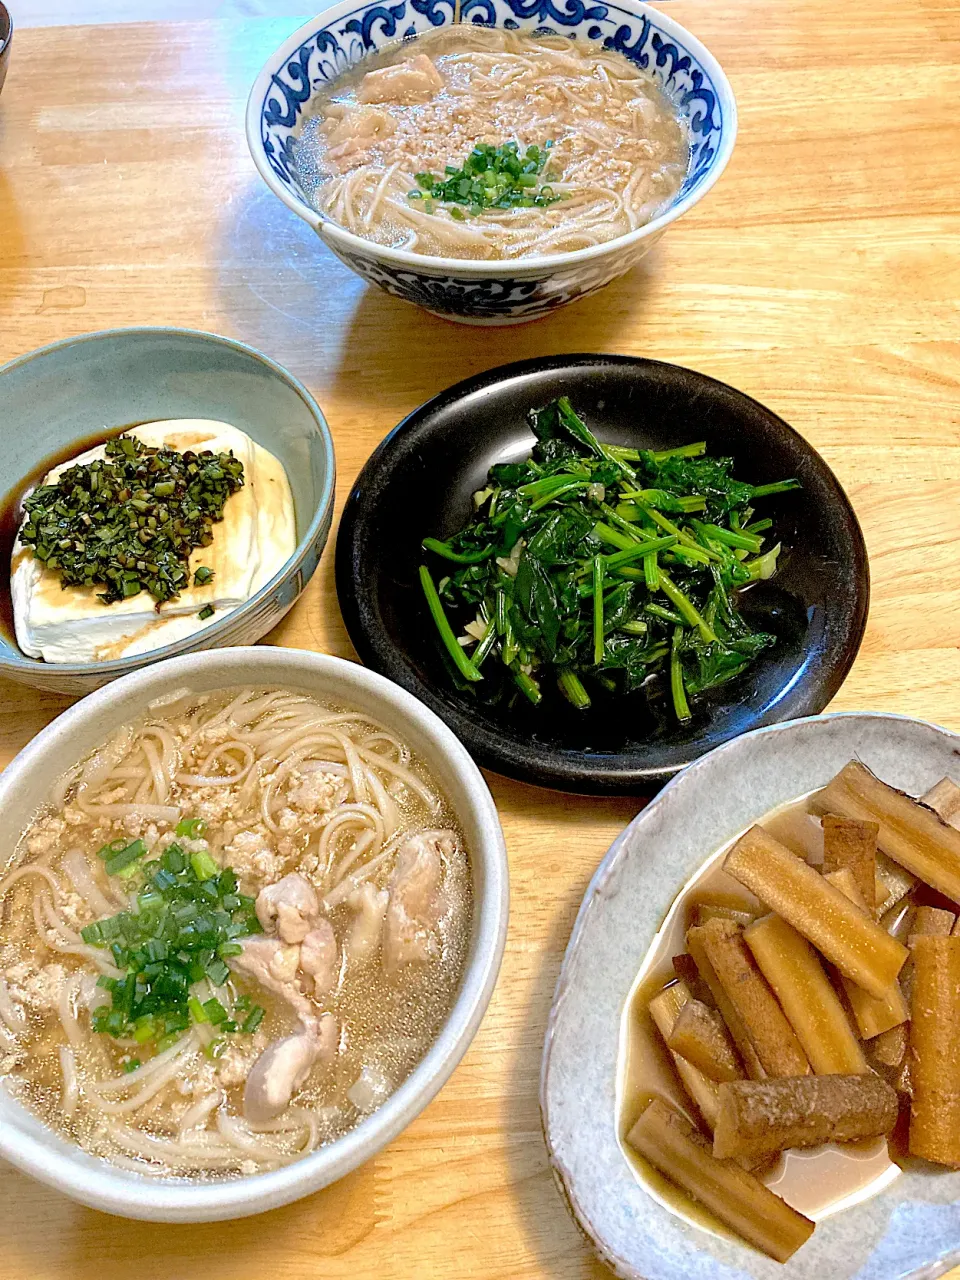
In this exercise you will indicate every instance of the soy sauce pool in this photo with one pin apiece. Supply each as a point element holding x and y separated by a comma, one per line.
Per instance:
<point>11,514</point>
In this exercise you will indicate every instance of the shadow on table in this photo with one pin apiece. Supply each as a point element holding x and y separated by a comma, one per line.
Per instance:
<point>280,289</point>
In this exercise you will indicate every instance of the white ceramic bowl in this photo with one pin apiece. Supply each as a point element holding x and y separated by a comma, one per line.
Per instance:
<point>25,784</point>
<point>498,292</point>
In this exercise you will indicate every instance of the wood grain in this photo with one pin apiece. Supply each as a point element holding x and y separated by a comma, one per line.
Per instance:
<point>821,276</point>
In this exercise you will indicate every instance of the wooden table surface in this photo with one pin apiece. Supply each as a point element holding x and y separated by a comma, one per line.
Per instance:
<point>821,276</point>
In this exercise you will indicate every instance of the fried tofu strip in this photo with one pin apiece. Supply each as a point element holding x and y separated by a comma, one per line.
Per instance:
<point>700,1035</point>
<point>893,883</point>
<point>931,922</point>
<point>729,1014</point>
<point>872,1014</point>
<point>761,1117</point>
<point>944,800</point>
<point>807,997</point>
<point>911,834</point>
<point>850,843</point>
<point>889,1048</point>
<point>855,943</point>
<point>674,1148</point>
<point>774,1040</point>
<point>664,1010</point>
<point>935,1050</point>
<point>704,911</point>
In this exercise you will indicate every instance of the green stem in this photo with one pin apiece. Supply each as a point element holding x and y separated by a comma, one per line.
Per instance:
<point>455,650</point>
<point>658,611</point>
<point>597,610</point>
<point>680,704</point>
<point>572,689</point>
<point>684,451</point>
<point>574,486</point>
<point>780,486</point>
<point>638,551</point>
<point>458,557</point>
<point>527,685</point>
<point>746,541</point>
<point>685,607</point>
<point>489,639</point>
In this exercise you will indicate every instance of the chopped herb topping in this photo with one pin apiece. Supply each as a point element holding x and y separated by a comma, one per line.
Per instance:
<point>206,612</point>
<point>490,178</point>
<point>188,917</point>
<point>128,522</point>
<point>203,575</point>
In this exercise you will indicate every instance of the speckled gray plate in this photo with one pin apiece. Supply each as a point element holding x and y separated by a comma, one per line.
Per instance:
<point>911,1229</point>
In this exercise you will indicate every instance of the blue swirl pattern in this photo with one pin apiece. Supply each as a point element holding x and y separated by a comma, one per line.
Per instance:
<point>332,48</point>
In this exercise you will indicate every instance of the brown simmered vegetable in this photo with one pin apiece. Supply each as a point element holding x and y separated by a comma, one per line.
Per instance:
<point>773,1039</point>
<point>671,1144</point>
<point>852,941</point>
<point>665,1009</point>
<point>935,1050</point>
<point>847,842</point>
<point>701,1037</point>
<point>763,1117</point>
<point>128,522</point>
<point>910,833</point>
<point>806,995</point>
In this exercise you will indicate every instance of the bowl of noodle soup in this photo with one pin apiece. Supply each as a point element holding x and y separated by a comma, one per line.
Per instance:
<point>348,851</point>
<point>491,160</point>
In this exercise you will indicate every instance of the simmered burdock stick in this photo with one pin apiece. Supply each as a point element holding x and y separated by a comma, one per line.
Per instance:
<point>664,1010</point>
<point>848,842</point>
<point>855,943</point>
<point>910,833</point>
<point>759,1118</point>
<point>674,1148</point>
<point>774,1040</point>
<point>806,995</point>
<point>935,1050</point>
<point>701,1036</point>
<point>893,883</point>
<point>872,1014</point>
<point>729,1014</point>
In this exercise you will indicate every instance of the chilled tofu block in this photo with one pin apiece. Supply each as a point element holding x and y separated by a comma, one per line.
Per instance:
<point>253,540</point>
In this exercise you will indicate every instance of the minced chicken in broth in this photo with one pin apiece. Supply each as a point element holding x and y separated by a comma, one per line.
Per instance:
<point>318,973</point>
<point>618,152</point>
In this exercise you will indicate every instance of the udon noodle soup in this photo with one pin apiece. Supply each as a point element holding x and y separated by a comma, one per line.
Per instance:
<point>599,149</point>
<point>230,935</point>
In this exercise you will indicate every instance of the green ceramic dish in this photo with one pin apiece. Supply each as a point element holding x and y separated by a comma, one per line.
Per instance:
<point>74,389</point>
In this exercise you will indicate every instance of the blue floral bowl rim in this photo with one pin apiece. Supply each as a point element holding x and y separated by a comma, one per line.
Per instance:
<point>212,635</point>
<point>330,230</point>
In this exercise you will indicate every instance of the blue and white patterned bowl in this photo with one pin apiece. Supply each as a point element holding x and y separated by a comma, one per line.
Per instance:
<point>497,292</point>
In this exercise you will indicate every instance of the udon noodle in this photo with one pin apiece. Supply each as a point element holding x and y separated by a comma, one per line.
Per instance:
<point>359,881</point>
<point>619,152</point>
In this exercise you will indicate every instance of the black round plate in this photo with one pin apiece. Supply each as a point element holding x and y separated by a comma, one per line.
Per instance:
<point>421,479</point>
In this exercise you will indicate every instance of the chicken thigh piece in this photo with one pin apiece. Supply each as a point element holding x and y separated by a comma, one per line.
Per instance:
<point>284,1066</point>
<point>275,966</point>
<point>369,905</point>
<point>414,909</point>
<point>320,958</point>
<point>405,83</point>
<point>290,906</point>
